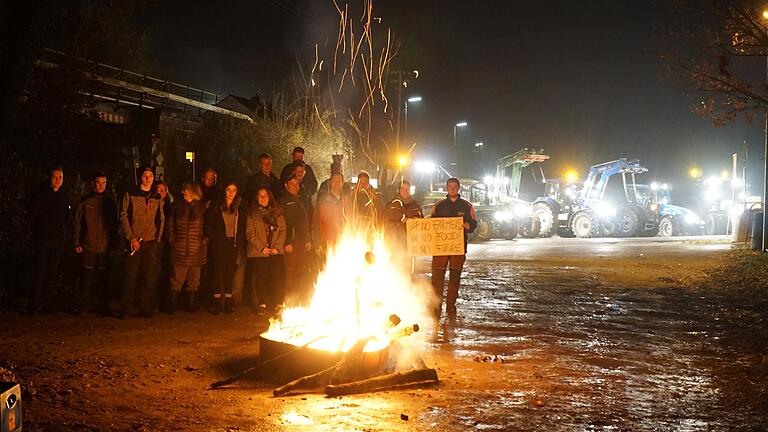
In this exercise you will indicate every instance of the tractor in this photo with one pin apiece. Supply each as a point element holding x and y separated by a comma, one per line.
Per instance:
<point>607,204</point>
<point>674,220</point>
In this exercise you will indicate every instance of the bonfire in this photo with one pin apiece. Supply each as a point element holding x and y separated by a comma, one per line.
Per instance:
<point>358,333</point>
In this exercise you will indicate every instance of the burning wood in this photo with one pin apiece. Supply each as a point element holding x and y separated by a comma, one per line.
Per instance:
<point>384,382</point>
<point>350,376</point>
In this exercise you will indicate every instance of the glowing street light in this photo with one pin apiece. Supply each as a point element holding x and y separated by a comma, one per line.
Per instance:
<point>411,99</point>
<point>460,124</point>
<point>695,172</point>
<point>571,176</point>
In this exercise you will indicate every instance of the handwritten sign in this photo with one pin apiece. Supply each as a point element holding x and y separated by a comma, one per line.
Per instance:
<point>435,236</point>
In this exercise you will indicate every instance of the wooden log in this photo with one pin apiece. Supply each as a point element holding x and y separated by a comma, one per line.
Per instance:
<point>323,376</point>
<point>260,365</point>
<point>382,382</point>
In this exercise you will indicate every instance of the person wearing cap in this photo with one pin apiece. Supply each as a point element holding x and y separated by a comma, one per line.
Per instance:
<point>310,181</point>
<point>451,206</point>
<point>142,221</point>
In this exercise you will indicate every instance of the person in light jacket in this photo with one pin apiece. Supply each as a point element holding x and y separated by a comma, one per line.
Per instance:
<point>265,234</point>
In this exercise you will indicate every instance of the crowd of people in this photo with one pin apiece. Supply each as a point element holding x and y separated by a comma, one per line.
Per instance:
<point>269,237</point>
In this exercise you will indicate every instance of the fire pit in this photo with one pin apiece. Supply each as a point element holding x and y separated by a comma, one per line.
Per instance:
<point>296,361</point>
<point>349,339</point>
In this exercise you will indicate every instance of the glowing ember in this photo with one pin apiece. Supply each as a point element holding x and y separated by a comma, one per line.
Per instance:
<point>354,297</point>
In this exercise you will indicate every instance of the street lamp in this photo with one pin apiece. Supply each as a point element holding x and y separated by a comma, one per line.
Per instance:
<point>765,175</point>
<point>411,99</point>
<point>457,125</point>
<point>479,147</point>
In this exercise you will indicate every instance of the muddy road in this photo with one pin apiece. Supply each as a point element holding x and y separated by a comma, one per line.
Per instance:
<point>550,335</point>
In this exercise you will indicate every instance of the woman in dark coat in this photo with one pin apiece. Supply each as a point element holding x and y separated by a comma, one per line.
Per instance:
<point>225,227</point>
<point>265,233</point>
<point>188,244</point>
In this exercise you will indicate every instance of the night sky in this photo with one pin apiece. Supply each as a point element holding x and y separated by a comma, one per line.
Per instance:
<point>581,79</point>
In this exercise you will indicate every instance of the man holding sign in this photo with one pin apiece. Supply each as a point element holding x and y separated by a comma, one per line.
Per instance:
<point>452,206</point>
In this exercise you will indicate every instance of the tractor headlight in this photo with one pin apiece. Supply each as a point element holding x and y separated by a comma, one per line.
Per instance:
<point>605,210</point>
<point>692,219</point>
<point>502,216</point>
<point>523,210</point>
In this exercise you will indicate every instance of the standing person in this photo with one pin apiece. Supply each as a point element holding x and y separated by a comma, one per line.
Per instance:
<point>225,225</point>
<point>325,185</point>
<point>164,249</point>
<point>95,232</point>
<point>211,196</point>
<point>363,205</point>
<point>209,188</point>
<point>48,219</point>
<point>189,244</point>
<point>300,171</point>
<point>329,214</point>
<point>142,220</point>
<point>396,213</point>
<point>265,233</point>
<point>298,239</point>
<point>310,181</point>
<point>451,206</point>
<point>265,177</point>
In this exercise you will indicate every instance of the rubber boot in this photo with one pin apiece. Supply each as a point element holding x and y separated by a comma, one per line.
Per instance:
<point>191,304</point>
<point>172,302</point>
<point>228,309</point>
<point>217,305</point>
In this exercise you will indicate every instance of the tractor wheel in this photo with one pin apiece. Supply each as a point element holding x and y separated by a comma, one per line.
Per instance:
<point>585,225</point>
<point>530,228</point>
<point>546,218</point>
<point>484,230</point>
<point>627,223</point>
<point>669,227</point>
<point>715,225</point>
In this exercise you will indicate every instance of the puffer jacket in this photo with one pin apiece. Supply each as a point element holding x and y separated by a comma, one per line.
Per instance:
<point>186,233</point>
<point>264,228</point>
<point>95,226</point>
<point>139,215</point>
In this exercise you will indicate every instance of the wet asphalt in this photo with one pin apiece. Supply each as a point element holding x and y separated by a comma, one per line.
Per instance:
<point>568,352</point>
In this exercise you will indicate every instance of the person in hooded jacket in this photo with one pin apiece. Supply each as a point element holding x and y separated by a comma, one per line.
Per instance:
<point>265,234</point>
<point>225,225</point>
<point>396,214</point>
<point>188,240</point>
<point>95,234</point>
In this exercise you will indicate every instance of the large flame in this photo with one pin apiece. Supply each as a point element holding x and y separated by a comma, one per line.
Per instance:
<point>354,297</point>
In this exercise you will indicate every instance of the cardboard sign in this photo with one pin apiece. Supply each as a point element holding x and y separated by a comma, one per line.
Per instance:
<point>435,236</point>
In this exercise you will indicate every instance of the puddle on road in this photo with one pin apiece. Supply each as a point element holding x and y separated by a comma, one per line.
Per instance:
<point>580,355</point>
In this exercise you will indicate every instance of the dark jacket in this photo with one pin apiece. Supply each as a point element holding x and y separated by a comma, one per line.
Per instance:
<point>309,182</point>
<point>95,227</point>
<point>460,207</point>
<point>216,230</point>
<point>211,195</point>
<point>186,233</point>
<point>297,219</point>
<point>395,214</point>
<point>260,179</point>
<point>264,228</point>
<point>48,216</point>
<point>139,215</point>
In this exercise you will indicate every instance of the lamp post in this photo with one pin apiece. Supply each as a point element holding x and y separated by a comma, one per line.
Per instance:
<point>457,125</point>
<point>411,100</point>
<point>765,172</point>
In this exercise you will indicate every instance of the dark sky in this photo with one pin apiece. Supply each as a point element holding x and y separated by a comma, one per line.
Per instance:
<point>580,79</point>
